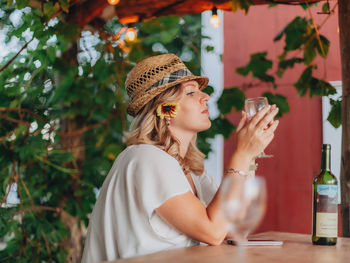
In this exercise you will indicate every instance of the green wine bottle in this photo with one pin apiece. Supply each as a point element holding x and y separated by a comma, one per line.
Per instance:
<point>325,203</point>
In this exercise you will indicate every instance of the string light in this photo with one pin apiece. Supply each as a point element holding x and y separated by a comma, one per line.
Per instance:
<point>113,2</point>
<point>130,34</point>
<point>214,20</point>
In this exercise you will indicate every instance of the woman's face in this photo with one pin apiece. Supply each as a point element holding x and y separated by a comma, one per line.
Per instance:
<point>193,115</point>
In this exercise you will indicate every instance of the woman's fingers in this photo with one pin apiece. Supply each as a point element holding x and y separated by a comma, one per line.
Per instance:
<point>242,121</point>
<point>273,126</point>
<point>256,119</point>
<point>269,133</point>
<point>267,119</point>
<point>254,137</point>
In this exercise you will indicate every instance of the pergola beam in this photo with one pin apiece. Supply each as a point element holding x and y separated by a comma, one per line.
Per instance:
<point>83,12</point>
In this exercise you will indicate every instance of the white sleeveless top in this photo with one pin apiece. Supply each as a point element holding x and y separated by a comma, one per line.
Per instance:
<point>124,222</point>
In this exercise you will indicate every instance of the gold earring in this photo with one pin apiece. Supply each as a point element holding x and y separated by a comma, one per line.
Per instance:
<point>167,122</point>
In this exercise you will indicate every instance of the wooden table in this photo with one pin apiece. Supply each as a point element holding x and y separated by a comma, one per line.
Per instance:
<point>296,248</point>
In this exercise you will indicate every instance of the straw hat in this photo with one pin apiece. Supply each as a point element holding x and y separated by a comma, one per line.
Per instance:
<point>153,75</point>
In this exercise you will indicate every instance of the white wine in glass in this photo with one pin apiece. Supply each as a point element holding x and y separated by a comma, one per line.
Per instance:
<point>252,106</point>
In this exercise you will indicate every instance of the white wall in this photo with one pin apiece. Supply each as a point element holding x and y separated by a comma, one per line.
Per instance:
<point>213,68</point>
<point>332,135</point>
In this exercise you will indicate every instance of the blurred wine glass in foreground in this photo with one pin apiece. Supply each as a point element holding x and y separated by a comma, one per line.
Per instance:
<point>252,106</point>
<point>243,203</point>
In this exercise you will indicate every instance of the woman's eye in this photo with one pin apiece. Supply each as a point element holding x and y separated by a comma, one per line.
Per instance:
<point>190,93</point>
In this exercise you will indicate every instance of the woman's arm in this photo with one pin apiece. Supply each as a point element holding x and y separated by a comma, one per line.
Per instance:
<point>206,224</point>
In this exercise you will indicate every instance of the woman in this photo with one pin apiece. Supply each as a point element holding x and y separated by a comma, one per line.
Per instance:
<point>157,195</point>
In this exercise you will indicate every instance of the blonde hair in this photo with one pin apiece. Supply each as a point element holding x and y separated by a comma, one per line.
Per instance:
<point>147,128</point>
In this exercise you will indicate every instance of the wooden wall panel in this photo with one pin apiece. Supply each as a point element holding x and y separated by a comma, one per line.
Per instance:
<point>297,144</point>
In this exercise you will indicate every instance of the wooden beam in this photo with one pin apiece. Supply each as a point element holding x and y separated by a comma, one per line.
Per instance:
<point>344,34</point>
<point>85,11</point>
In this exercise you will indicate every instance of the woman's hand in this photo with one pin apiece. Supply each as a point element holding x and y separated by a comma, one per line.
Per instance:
<point>253,136</point>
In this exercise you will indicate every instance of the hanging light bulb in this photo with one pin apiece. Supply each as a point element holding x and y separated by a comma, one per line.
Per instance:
<point>214,20</point>
<point>113,2</point>
<point>130,34</point>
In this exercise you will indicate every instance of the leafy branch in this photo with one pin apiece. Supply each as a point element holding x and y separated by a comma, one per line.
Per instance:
<point>16,55</point>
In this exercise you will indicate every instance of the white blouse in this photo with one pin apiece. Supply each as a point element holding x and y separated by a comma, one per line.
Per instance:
<point>124,222</point>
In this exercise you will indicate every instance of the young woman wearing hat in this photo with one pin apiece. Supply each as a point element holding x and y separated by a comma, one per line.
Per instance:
<point>157,195</point>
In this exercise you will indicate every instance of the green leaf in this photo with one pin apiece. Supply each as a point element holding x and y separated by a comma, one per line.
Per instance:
<point>18,32</point>
<point>287,63</point>
<point>325,7</point>
<point>33,145</point>
<point>325,44</point>
<point>51,53</point>
<point>304,6</point>
<point>303,83</point>
<point>221,126</point>
<point>62,90</point>
<point>295,33</point>
<point>321,88</point>
<point>209,90</point>
<point>334,116</point>
<point>315,86</point>
<point>50,8</point>
<point>64,5</point>
<point>231,98</point>
<point>69,32</point>
<point>310,51</point>
<point>241,5</point>
<point>209,48</point>
<point>21,130</point>
<point>22,3</point>
<point>280,101</point>
<point>258,66</point>
<point>112,151</point>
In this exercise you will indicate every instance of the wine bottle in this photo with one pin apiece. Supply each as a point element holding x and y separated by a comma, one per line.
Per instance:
<point>325,203</point>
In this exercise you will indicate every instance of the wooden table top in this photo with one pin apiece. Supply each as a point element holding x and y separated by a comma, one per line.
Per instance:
<point>296,248</point>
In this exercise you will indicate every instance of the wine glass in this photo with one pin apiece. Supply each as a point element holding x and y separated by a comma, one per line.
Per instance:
<point>243,203</point>
<point>251,107</point>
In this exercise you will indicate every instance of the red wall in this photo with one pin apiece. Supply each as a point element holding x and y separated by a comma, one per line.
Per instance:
<point>298,139</point>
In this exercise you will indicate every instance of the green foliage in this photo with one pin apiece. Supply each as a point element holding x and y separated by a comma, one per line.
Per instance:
<point>220,125</point>
<point>63,111</point>
<point>287,63</point>
<point>334,116</point>
<point>63,117</point>
<point>325,7</point>
<point>280,101</point>
<point>315,86</point>
<point>231,98</point>
<point>258,66</point>
<point>241,5</point>
<point>300,35</point>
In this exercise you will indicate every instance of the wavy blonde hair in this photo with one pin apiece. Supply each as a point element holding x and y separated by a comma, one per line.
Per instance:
<point>147,128</point>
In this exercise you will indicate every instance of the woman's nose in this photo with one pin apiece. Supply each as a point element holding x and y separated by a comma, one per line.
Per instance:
<point>205,97</point>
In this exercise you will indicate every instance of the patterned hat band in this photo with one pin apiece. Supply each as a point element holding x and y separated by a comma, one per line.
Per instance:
<point>176,75</point>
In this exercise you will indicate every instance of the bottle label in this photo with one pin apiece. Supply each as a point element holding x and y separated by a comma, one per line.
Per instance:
<point>327,210</point>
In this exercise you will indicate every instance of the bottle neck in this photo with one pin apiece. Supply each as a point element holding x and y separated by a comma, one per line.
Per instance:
<point>326,160</point>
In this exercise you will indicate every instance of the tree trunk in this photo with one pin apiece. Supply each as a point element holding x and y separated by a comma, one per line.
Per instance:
<point>344,27</point>
<point>74,144</point>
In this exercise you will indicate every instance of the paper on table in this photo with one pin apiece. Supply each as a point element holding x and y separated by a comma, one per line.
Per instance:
<point>255,242</point>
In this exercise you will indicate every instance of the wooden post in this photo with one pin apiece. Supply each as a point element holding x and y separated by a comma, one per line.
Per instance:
<point>344,27</point>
